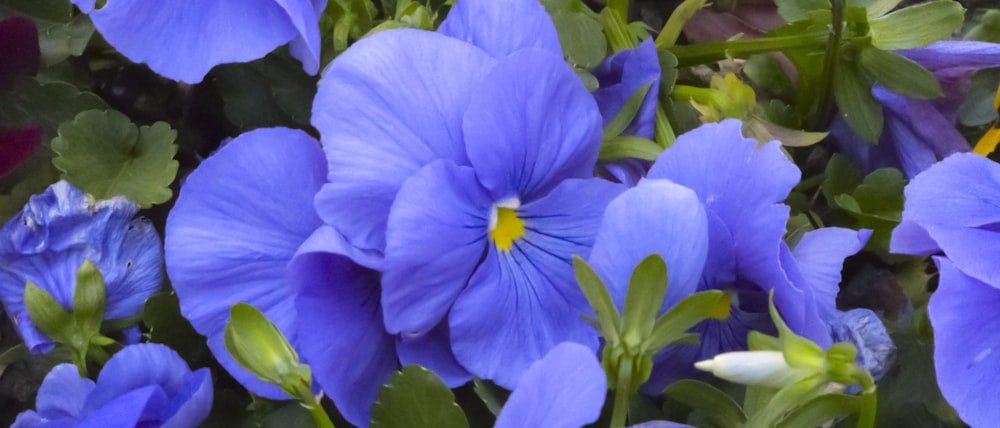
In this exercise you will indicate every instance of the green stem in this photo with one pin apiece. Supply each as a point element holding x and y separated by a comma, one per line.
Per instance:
<point>319,416</point>
<point>704,53</point>
<point>663,133</point>
<point>80,360</point>
<point>869,399</point>
<point>620,6</point>
<point>623,391</point>
<point>824,104</point>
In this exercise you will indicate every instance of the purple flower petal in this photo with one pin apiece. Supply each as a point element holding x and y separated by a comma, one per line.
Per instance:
<point>620,76</point>
<point>502,28</point>
<point>386,107</point>
<point>524,136</point>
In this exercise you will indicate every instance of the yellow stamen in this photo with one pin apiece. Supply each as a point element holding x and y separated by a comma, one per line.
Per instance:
<point>988,143</point>
<point>722,306</point>
<point>508,227</point>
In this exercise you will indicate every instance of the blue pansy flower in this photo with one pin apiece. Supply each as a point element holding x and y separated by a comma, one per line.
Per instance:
<point>471,178</point>
<point>145,385</point>
<point>918,133</point>
<point>564,389</point>
<point>741,187</point>
<point>184,39</point>
<point>619,77</point>
<point>51,237</point>
<point>951,211</point>
<point>244,230</point>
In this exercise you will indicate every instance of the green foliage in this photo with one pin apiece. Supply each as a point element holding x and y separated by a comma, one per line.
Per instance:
<point>853,93</point>
<point>260,348</point>
<point>908,395</point>
<point>583,43</point>
<point>917,25</point>
<point>718,408</point>
<point>627,114</point>
<point>31,103</point>
<point>269,92</point>
<point>416,398</point>
<point>61,34</point>
<point>900,74</point>
<point>797,10</point>
<point>104,154</point>
<point>161,314</point>
<point>873,202</point>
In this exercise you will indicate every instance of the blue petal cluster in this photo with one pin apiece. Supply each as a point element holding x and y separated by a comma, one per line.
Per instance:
<point>918,133</point>
<point>51,237</point>
<point>145,385</point>
<point>952,211</point>
<point>184,39</point>
<point>711,207</point>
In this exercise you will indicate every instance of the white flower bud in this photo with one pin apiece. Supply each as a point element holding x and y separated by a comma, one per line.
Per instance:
<point>759,368</point>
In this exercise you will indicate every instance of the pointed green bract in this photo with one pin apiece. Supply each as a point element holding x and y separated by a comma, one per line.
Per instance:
<point>260,348</point>
<point>853,94</point>
<point>416,398</point>
<point>104,154</point>
<point>646,291</point>
<point>918,25</point>
<point>718,407</point>
<point>89,297</point>
<point>899,73</point>
<point>599,298</point>
<point>47,314</point>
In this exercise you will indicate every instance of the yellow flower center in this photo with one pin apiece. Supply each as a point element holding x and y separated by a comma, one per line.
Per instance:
<point>505,227</point>
<point>722,307</point>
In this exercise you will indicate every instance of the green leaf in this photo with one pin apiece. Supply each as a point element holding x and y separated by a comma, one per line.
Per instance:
<point>767,72</point>
<point>580,36</point>
<point>852,92</point>
<point>492,395</point>
<point>258,346</point>
<point>799,352</point>
<point>31,103</point>
<point>787,398</point>
<point>841,176</point>
<point>269,92</point>
<point>668,71</point>
<point>646,290</point>
<point>820,410</point>
<point>674,324</point>
<point>626,115</point>
<point>718,407</point>
<point>675,23</point>
<point>61,34</point>
<point>918,25</point>
<point>89,298</point>
<point>600,299</point>
<point>48,315</point>
<point>900,74</point>
<point>629,147</point>
<point>104,154</point>
<point>797,10</point>
<point>416,398</point>
<point>162,316</point>
<point>978,109</point>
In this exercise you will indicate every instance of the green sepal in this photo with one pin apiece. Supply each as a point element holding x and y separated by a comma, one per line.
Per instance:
<point>597,294</point>
<point>798,10</point>
<point>899,73</point>
<point>258,346</point>
<point>675,23</point>
<point>620,37</point>
<point>757,341</point>
<point>819,410</point>
<point>719,408</point>
<point>416,398</point>
<point>918,25</point>
<point>580,34</point>
<point>628,112</point>
<point>853,93</point>
<point>48,315</point>
<point>646,290</point>
<point>629,147</point>
<point>786,398</point>
<point>799,352</point>
<point>674,324</point>
<point>89,299</point>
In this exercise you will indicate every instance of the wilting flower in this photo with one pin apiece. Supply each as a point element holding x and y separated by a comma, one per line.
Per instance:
<point>918,133</point>
<point>51,237</point>
<point>741,188</point>
<point>141,385</point>
<point>953,208</point>
<point>183,39</point>
<point>863,329</point>
<point>619,77</point>
<point>472,180</point>
<point>566,388</point>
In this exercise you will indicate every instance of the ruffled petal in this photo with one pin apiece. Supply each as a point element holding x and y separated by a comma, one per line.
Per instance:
<point>138,366</point>
<point>339,324</point>
<point>386,107</point>
<point>962,312</point>
<point>820,257</point>
<point>522,302</point>
<point>753,177</point>
<point>950,54</point>
<point>502,28</point>
<point>191,404</point>
<point>656,216</point>
<point>566,388</point>
<point>126,410</point>
<point>183,39</point>
<point>920,133</point>
<point>437,234</point>
<point>525,135</point>
<point>910,238</point>
<point>238,221</point>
